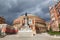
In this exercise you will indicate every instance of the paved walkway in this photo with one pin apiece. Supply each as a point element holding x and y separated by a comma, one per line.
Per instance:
<point>36,37</point>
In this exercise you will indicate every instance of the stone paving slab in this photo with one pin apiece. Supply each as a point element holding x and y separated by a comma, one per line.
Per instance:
<point>36,37</point>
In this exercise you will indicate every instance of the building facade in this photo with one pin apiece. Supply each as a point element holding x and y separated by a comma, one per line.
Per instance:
<point>2,20</point>
<point>36,23</point>
<point>55,17</point>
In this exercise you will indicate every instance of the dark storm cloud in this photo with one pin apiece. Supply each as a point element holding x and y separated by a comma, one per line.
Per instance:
<point>11,9</point>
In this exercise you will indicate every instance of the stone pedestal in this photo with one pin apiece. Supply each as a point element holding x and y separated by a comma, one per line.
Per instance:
<point>24,33</point>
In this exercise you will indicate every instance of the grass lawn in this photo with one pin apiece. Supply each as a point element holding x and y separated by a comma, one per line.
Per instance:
<point>53,33</point>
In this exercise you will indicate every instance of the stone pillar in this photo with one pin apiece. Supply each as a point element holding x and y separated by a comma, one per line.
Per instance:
<point>34,30</point>
<point>57,26</point>
<point>3,29</point>
<point>48,26</point>
<point>21,22</point>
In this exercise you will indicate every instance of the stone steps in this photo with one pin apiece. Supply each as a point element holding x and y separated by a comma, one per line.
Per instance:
<point>25,34</point>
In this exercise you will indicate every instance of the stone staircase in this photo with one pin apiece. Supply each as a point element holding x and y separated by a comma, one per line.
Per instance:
<point>25,33</point>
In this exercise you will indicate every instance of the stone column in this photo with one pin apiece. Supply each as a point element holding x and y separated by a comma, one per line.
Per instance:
<point>34,30</point>
<point>3,29</point>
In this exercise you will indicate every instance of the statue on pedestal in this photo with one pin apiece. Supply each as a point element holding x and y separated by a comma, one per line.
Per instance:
<point>26,23</point>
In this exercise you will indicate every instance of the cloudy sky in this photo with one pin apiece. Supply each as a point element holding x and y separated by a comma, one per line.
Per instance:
<point>11,9</point>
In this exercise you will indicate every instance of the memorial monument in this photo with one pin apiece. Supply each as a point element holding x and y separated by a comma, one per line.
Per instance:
<point>25,30</point>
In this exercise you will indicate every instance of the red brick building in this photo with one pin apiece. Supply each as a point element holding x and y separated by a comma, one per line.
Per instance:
<point>55,16</point>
